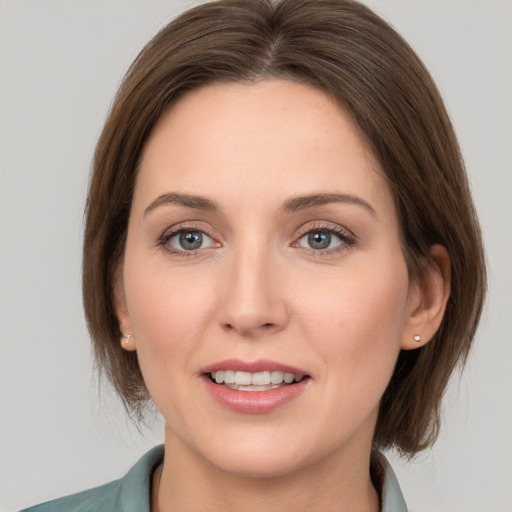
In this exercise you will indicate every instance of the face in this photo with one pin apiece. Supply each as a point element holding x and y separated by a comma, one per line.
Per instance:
<point>263,247</point>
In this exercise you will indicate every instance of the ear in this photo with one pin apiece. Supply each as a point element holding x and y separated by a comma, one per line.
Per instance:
<point>127,339</point>
<point>428,298</point>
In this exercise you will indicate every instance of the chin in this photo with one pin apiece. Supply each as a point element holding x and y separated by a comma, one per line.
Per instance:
<point>257,457</point>
<point>262,466</point>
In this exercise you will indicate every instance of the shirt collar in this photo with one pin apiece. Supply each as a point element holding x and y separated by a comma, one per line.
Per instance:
<point>384,479</point>
<point>134,495</point>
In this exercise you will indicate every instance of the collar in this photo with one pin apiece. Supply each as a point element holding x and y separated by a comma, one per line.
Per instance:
<point>135,489</point>
<point>386,483</point>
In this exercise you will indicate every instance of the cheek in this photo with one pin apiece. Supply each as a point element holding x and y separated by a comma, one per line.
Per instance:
<point>167,326</point>
<point>162,303</point>
<point>168,315</point>
<point>357,325</point>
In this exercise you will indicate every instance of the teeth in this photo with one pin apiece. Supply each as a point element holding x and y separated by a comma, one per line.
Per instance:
<point>243,378</point>
<point>288,378</point>
<point>229,377</point>
<point>276,377</point>
<point>259,381</point>
<point>256,388</point>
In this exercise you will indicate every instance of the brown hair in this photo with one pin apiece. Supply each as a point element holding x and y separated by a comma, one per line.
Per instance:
<point>350,53</point>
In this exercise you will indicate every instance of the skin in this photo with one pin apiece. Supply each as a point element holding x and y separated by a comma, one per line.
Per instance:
<point>257,289</point>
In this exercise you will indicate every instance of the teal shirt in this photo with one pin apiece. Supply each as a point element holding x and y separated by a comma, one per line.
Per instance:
<point>132,492</point>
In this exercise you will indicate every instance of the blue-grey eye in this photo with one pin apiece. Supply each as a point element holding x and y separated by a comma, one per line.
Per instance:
<point>320,240</point>
<point>190,240</point>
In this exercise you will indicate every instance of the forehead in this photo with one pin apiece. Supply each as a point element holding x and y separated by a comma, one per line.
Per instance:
<point>271,139</point>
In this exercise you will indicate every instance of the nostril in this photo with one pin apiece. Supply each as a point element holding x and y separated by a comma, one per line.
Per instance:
<point>265,326</point>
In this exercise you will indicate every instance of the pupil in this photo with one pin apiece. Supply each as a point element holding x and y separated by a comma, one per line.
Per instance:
<point>319,240</point>
<point>191,240</point>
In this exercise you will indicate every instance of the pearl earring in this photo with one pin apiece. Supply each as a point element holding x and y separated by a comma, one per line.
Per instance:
<point>127,337</point>
<point>417,338</point>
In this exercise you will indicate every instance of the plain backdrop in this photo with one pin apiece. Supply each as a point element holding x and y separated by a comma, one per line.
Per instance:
<point>60,64</point>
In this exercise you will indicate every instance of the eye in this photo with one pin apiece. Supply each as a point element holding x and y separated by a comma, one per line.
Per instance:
<point>189,240</point>
<point>323,239</point>
<point>320,240</point>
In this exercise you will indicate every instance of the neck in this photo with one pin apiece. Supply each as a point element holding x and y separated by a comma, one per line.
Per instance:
<point>338,483</point>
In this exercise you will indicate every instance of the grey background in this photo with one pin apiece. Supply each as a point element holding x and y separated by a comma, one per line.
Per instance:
<point>60,64</point>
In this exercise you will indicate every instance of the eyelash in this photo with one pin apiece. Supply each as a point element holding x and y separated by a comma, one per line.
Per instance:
<point>347,239</point>
<point>163,240</point>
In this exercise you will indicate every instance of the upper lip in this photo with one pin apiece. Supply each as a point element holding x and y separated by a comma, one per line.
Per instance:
<point>260,365</point>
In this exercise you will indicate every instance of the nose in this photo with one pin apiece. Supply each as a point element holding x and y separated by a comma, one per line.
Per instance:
<point>253,304</point>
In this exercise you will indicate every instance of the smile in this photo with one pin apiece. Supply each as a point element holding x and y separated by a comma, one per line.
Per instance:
<point>254,387</point>
<point>259,381</point>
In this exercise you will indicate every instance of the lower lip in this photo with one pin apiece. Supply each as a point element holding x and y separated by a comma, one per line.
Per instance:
<point>255,402</point>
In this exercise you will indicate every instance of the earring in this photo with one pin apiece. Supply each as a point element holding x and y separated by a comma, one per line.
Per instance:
<point>417,338</point>
<point>127,337</point>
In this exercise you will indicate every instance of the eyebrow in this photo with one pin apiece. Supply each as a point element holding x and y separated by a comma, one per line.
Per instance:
<point>299,203</point>
<point>187,200</point>
<point>293,204</point>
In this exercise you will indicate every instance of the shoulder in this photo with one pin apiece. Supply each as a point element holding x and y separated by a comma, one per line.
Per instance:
<point>99,498</point>
<point>128,494</point>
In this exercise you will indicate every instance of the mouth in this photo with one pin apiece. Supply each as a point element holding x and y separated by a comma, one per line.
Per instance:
<point>257,381</point>
<point>254,387</point>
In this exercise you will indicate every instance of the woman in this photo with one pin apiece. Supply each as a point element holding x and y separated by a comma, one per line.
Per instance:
<point>281,252</point>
